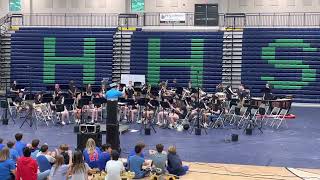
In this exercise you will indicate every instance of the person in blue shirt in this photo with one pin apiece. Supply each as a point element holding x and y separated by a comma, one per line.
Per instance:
<point>19,144</point>
<point>35,148</point>
<point>7,166</point>
<point>105,156</point>
<point>136,162</point>
<point>1,145</point>
<point>133,152</point>
<point>14,155</point>
<point>92,154</point>
<point>113,94</point>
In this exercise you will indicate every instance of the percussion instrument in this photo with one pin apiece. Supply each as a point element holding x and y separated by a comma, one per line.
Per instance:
<point>221,96</point>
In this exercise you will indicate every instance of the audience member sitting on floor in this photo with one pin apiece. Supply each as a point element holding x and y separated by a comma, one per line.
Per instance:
<point>159,158</point>
<point>136,162</point>
<point>27,168</point>
<point>79,169</point>
<point>64,151</point>
<point>114,167</point>
<point>174,163</point>
<point>14,155</point>
<point>91,154</point>
<point>1,145</point>
<point>34,148</point>
<point>105,156</point>
<point>7,166</point>
<point>59,170</point>
<point>133,152</point>
<point>19,144</point>
<point>45,159</point>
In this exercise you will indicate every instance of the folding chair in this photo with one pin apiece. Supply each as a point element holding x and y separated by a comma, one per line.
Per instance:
<point>220,120</point>
<point>242,114</point>
<point>273,114</point>
<point>281,118</point>
<point>248,117</point>
<point>13,111</point>
<point>230,113</point>
<point>39,113</point>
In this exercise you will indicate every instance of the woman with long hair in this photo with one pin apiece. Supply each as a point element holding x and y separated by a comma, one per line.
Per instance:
<point>7,166</point>
<point>92,154</point>
<point>59,170</point>
<point>79,169</point>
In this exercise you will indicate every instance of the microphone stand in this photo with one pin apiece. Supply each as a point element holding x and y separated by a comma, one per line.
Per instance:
<point>199,128</point>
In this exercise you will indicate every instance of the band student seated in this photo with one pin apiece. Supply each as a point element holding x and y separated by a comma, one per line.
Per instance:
<point>18,101</point>
<point>113,94</point>
<point>57,90</point>
<point>72,89</point>
<point>13,89</point>
<point>130,110</point>
<point>59,102</point>
<point>267,92</point>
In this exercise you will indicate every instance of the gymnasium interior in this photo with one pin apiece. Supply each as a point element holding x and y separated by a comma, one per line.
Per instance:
<point>200,45</point>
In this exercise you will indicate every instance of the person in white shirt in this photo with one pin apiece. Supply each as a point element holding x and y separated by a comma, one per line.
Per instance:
<point>114,167</point>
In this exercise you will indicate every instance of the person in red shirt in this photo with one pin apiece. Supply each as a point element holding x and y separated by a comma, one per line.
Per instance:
<point>27,168</point>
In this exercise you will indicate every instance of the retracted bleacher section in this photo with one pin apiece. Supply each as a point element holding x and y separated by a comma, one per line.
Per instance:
<point>58,55</point>
<point>183,56</point>
<point>287,58</point>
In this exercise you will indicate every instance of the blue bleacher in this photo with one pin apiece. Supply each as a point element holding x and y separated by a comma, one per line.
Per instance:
<point>177,47</point>
<point>296,56</point>
<point>28,50</point>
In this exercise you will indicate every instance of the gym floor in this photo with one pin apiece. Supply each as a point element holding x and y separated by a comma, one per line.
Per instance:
<point>296,146</point>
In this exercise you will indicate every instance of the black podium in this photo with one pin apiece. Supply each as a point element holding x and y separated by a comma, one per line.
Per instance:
<point>112,125</point>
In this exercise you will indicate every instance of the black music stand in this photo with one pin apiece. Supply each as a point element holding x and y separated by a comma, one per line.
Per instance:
<point>137,90</point>
<point>95,89</point>
<point>251,124</point>
<point>179,90</point>
<point>142,102</point>
<point>29,111</point>
<point>154,103</point>
<point>68,102</point>
<point>20,86</point>
<point>199,123</point>
<point>50,88</point>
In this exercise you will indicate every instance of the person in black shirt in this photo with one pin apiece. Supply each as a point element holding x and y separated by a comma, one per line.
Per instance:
<point>267,94</point>
<point>18,100</point>
<point>72,89</point>
<point>14,88</point>
<point>129,91</point>
<point>57,90</point>
<point>88,90</point>
<point>220,88</point>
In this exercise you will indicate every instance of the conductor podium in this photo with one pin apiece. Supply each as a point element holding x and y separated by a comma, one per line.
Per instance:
<point>112,125</point>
